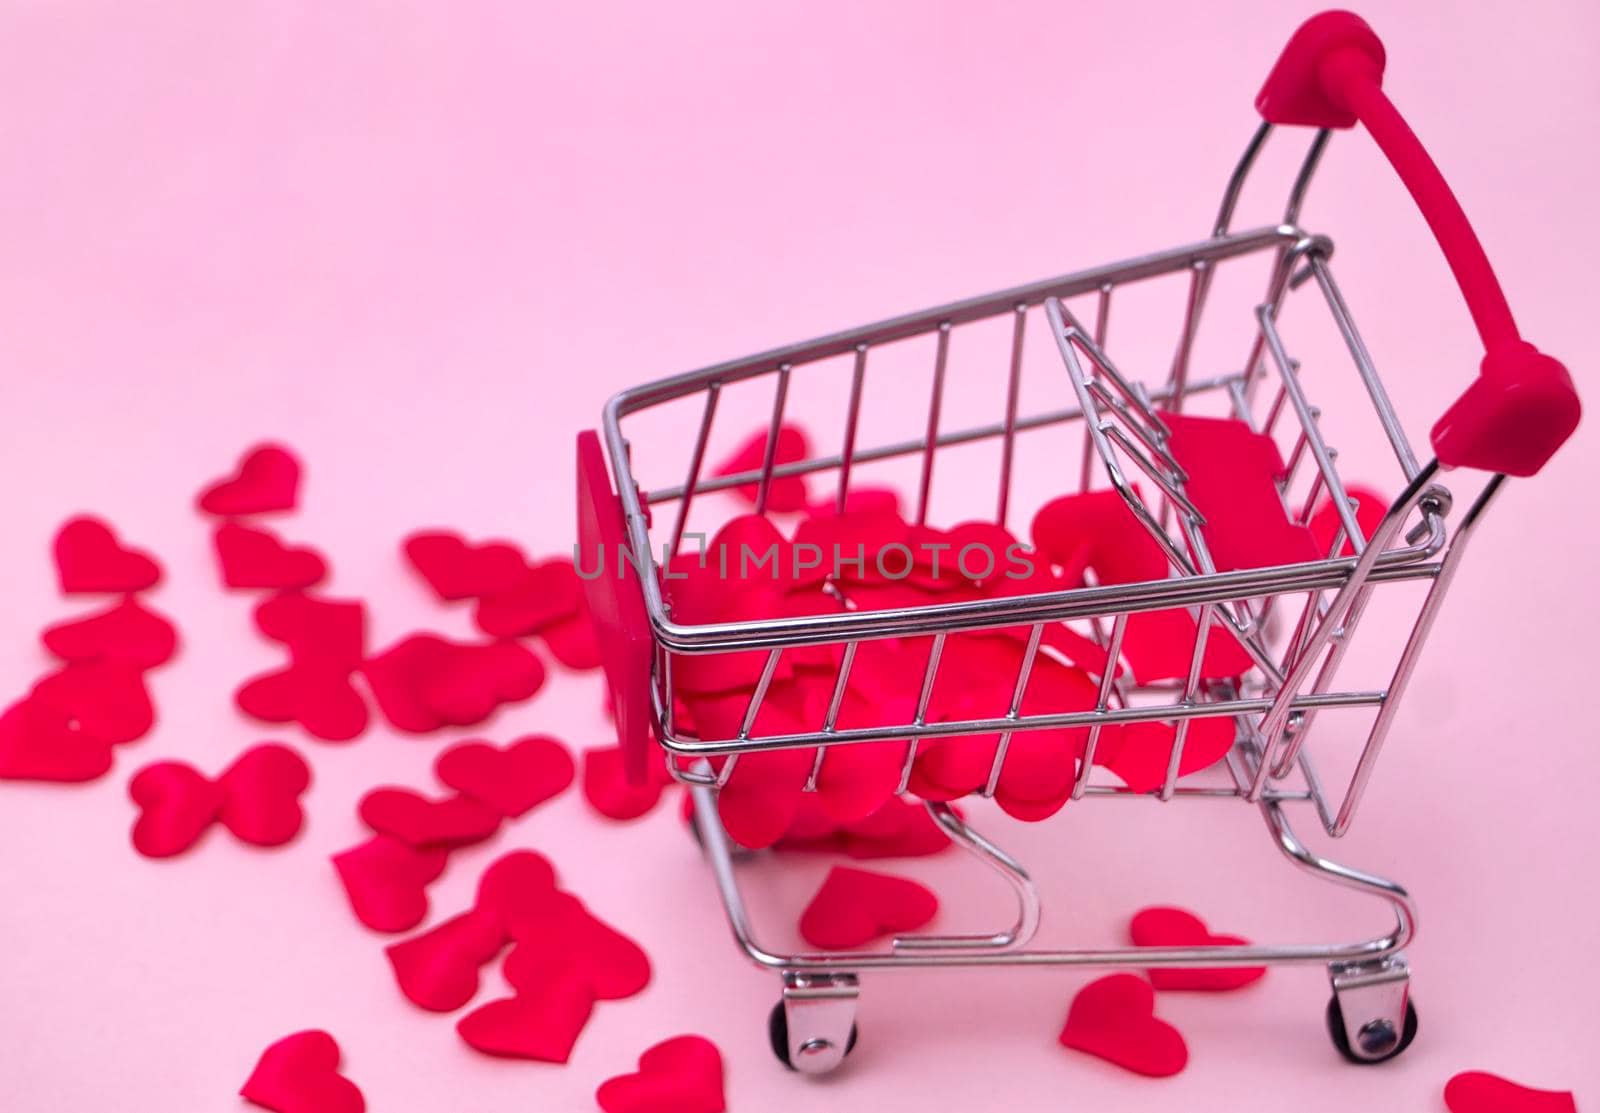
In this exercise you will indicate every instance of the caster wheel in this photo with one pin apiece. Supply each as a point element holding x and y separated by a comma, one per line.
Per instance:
<point>778,1033</point>
<point>1383,1046</point>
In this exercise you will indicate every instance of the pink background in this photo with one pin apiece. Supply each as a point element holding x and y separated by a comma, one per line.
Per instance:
<point>423,243</point>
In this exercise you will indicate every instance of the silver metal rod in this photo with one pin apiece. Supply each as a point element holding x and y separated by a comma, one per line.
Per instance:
<point>774,427</point>
<point>696,460</point>
<point>931,439</point>
<point>852,417</point>
<point>1013,387</point>
<point>1410,655</point>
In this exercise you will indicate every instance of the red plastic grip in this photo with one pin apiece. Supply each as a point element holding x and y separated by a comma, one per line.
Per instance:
<point>1522,406</point>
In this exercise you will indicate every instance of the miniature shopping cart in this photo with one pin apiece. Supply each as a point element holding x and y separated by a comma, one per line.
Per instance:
<point>1295,620</point>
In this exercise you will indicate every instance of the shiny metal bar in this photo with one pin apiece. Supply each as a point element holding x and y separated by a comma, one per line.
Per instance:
<point>1190,686</point>
<point>1024,674</point>
<point>1387,417</point>
<point>696,461</point>
<point>702,747</point>
<point>1108,681</point>
<point>847,457</point>
<point>1302,409</point>
<point>1272,724</point>
<point>1013,388</point>
<point>774,427</point>
<point>931,439</point>
<point>929,674</point>
<point>1411,654</point>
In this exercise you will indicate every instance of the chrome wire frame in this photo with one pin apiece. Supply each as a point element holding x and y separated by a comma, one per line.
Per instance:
<point>1275,704</point>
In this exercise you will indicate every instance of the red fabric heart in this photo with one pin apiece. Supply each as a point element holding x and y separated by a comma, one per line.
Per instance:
<point>1481,1092</point>
<point>457,570</point>
<point>425,682</point>
<point>681,1075</point>
<point>300,1074</point>
<point>762,796</point>
<point>321,700</point>
<point>387,882</point>
<point>512,780</point>
<point>1114,1019</point>
<point>516,890</point>
<point>608,790</point>
<point>427,824</point>
<point>1233,474</point>
<point>253,558</point>
<point>572,641</point>
<point>546,593</point>
<point>328,633</point>
<point>176,805</point>
<point>268,479</point>
<point>438,970</point>
<point>1139,752</point>
<point>105,700</point>
<point>90,559</point>
<point>566,937</point>
<point>1325,523</point>
<point>261,794</point>
<point>1176,927</point>
<point>38,742</point>
<point>127,632</point>
<point>860,500</point>
<point>857,906</point>
<point>784,493</point>
<point>542,1023</point>
<point>256,798</point>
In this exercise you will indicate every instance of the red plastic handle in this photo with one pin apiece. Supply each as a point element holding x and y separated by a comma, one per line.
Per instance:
<point>1522,407</point>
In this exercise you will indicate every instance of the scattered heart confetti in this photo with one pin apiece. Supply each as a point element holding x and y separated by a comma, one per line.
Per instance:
<point>105,700</point>
<point>261,790</point>
<point>176,805</point>
<point>328,633</point>
<point>387,882</point>
<point>573,641</point>
<point>300,1074</point>
<point>566,937</point>
<point>321,700</point>
<point>268,480</point>
<point>427,824</point>
<point>439,969</point>
<point>680,1075</point>
<point>90,559</point>
<point>1177,927</point>
<point>515,890</point>
<point>512,780</point>
<point>458,570</point>
<point>857,906</point>
<point>39,742</point>
<point>545,594</point>
<point>256,798</point>
<point>425,682</point>
<point>607,789</point>
<point>1114,1018</point>
<point>1481,1092</point>
<point>128,632</point>
<point>252,558</point>
<point>784,493</point>
<point>542,1023</point>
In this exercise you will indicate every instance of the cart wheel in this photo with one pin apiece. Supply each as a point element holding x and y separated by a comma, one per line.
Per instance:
<point>778,1034</point>
<point>1381,1045</point>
